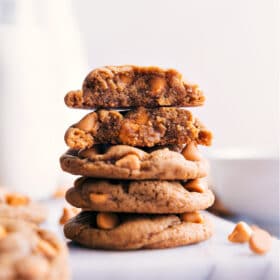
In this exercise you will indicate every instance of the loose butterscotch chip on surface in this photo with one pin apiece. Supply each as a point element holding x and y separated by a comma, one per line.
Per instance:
<point>194,217</point>
<point>107,220</point>
<point>15,199</point>
<point>260,241</point>
<point>241,233</point>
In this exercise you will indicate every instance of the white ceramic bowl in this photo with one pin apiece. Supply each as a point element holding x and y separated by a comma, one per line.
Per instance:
<point>247,184</point>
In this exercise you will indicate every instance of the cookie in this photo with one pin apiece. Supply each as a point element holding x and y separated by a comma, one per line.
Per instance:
<point>28,252</point>
<point>126,162</point>
<point>133,86</point>
<point>140,127</point>
<point>15,205</point>
<point>137,196</point>
<point>137,231</point>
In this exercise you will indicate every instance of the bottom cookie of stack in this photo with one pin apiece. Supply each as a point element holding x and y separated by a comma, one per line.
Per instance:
<point>126,215</point>
<point>135,231</point>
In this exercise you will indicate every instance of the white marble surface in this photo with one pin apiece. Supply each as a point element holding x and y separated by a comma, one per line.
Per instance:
<point>214,259</point>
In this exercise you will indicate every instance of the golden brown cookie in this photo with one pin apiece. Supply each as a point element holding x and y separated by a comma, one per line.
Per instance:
<point>132,231</point>
<point>28,252</point>
<point>19,206</point>
<point>140,127</point>
<point>137,196</point>
<point>133,86</point>
<point>126,162</point>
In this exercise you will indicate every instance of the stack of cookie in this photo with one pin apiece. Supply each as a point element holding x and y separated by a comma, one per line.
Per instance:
<point>144,179</point>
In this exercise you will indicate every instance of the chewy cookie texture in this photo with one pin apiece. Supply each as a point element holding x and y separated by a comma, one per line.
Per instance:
<point>131,231</point>
<point>140,127</point>
<point>28,252</point>
<point>139,196</point>
<point>133,86</point>
<point>144,177</point>
<point>126,162</point>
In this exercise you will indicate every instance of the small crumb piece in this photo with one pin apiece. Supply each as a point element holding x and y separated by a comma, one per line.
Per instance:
<point>194,217</point>
<point>197,185</point>
<point>3,232</point>
<point>241,233</point>
<point>60,192</point>
<point>191,152</point>
<point>67,214</point>
<point>46,248</point>
<point>15,199</point>
<point>98,198</point>
<point>107,220</point>
<point>260,241</point>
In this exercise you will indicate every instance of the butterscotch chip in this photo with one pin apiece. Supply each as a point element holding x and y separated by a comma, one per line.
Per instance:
<point>15,199</point>
<point>133,86</point>
<point>140,127</point>
<point>158,85</point>
<point>148,196</point>
<point>191,152</point>
<point>88,123</point>
<point>197,185</point>
<point>130,161</point>
<point>241,233</point>
<point>3,232</point>
<point>98,198</point>
<point>157,163</point>
<point>107,220</point>
<point>260,241</point>
<point>137,231</point>
<point>194,217</point>
<point>67,214</point>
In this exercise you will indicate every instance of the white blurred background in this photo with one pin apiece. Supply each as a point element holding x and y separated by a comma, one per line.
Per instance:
<point>229,48</point>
